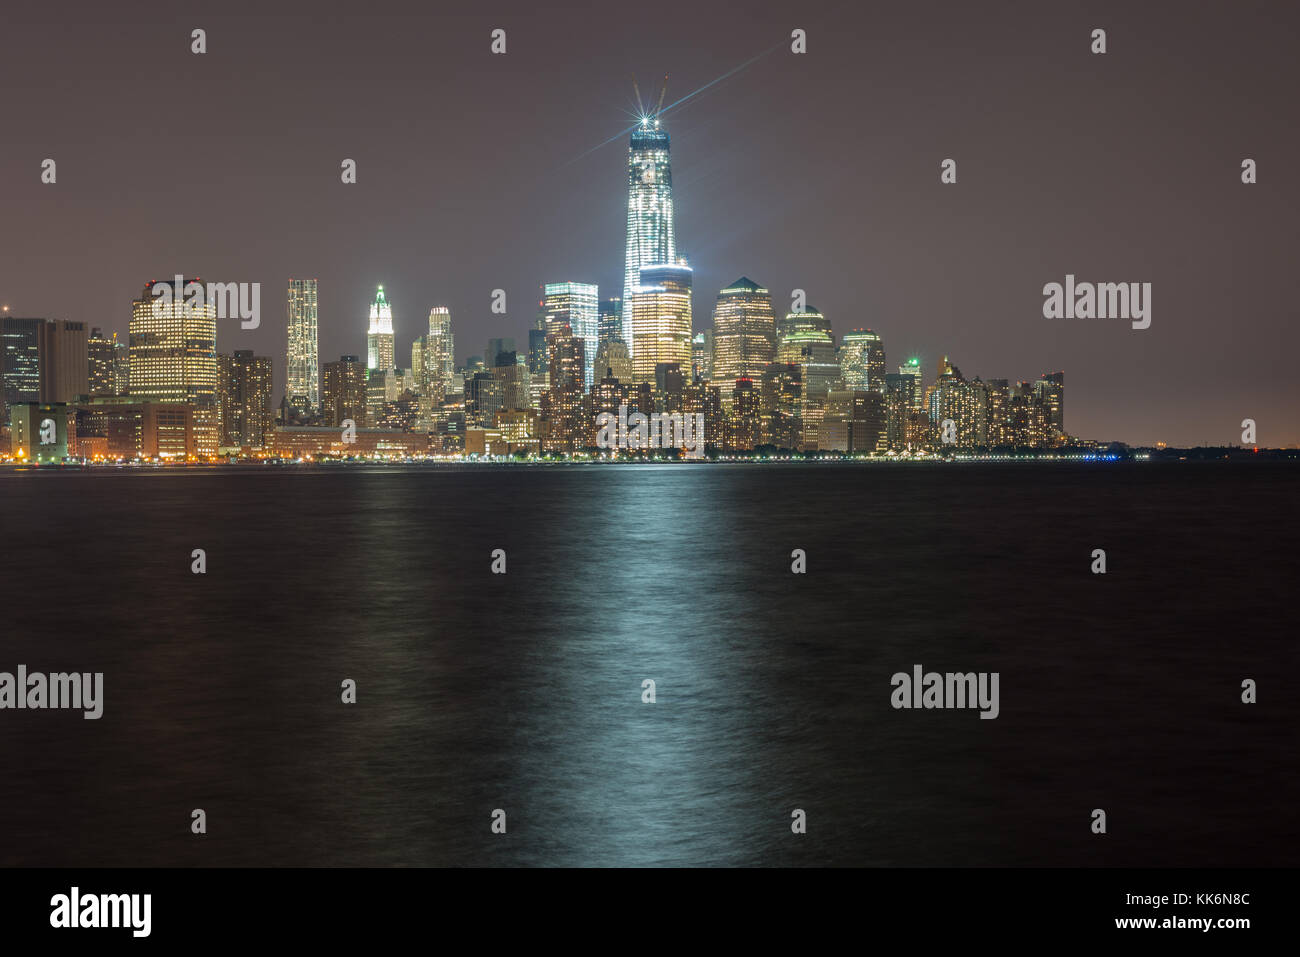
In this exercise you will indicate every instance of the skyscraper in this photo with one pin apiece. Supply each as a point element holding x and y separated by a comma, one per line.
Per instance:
<point>854,421</point>
<point>173,348</point>
<point>64,361</point>
<point>244,399</point>
<point>121,366</point>
<point>744,422</point>
<point>1000,433</point>
<point>782,403</point>
<point>912,367</point>
<point>483,399</point>
<point>609,324</point>
<point>805,339</point>
<point>966,404</point>
<point>345,392</point>
<point>612,361</point>
<point>563,404</point>
<point>538,367</point>
<point>862,360</point>
<point>576,305</point>
<point>510,370</point>
<point>809,319</point>
<point>744,334</point>
<point>384,386</point>
<point>900,392</point>
<point>20,359</point>
<point>706,400</point>
<point>439,353</point>
<point>301,356</point>
<point>702,356</point>
<point>670,384</point>
<point>101,355</point>
<point>567,361</point>
<point>1050,393</point>
<point>174,357</point>
<point>659,309</point>
<point>650,232</point>
<point>381,349</point>
<point>418,372</point>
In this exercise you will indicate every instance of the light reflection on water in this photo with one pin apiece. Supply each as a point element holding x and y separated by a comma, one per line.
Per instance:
<point>523,691</point>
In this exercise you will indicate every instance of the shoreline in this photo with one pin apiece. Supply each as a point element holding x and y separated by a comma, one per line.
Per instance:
<point>972,458</point>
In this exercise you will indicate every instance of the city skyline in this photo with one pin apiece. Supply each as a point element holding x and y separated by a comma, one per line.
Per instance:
<point>753,382</point>
<point>763,187</point>
<point>584,435</point>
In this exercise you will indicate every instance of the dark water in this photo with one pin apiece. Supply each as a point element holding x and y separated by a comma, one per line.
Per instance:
<point>523,691</point>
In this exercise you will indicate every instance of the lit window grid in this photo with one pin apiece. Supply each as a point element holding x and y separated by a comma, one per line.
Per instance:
<point>302,357</point>
<point>650,222</point>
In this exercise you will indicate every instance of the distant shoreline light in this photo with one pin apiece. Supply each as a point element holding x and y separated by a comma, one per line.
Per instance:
<point>624,459</point>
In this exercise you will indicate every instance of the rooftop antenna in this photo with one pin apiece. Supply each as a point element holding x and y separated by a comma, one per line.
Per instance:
<point>637,90</point>
<point>660,105</point>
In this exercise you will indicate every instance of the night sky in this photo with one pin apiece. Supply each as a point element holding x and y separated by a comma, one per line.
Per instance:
<point>818,171</point>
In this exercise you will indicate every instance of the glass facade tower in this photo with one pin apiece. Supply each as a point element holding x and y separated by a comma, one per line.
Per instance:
<point>660,313</point>
<point>744,334</point>
<point>576,305</point>
<point>302,360</point>
<point>650,234</point>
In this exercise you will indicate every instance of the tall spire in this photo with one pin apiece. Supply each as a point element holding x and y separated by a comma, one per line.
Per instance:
<point>651,234</point>
<point>381,314</point>
<point>380,344</point>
